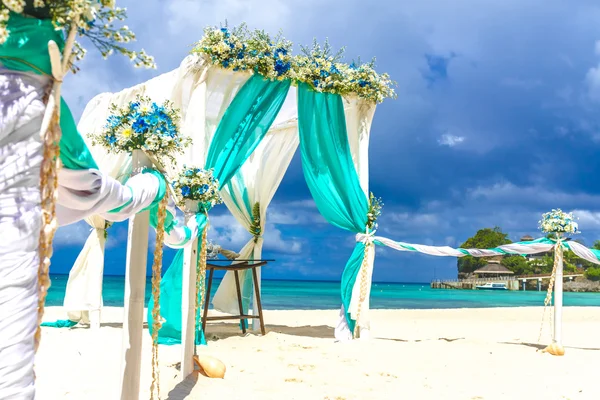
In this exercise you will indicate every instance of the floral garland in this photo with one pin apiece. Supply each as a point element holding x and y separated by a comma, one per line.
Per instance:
<point>197,185</point>
<point>558,221</point>
<point>143,125</point>
<point>239,49</point>
<point>375,206</point>
<point>94,18</point>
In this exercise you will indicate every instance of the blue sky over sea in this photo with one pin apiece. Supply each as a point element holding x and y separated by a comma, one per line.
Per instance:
<point>496,122</point>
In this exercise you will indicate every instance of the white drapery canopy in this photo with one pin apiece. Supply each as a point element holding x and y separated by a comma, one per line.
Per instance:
<point>203,92</point>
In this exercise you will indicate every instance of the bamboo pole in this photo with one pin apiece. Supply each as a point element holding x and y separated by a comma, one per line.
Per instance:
<point>135,286</point>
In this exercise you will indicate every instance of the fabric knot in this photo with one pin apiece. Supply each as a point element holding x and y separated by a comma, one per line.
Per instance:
<point>366,238</point>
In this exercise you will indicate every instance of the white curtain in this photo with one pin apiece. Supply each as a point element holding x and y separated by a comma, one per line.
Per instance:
<point>21,149</point>
<point>84,287</point>
<point>202,93</point>
<point>258,179</point>
<point>359,117</point>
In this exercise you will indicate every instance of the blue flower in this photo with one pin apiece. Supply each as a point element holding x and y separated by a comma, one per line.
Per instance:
<point>202,189</point>
<point>240,55</point>
<point>189,172</point>
<point>353,66</point>
<point>113,121</point>
<point>334,69</point>
<point>280,50</point>
<point>140,126</point>
<point>231,45</point>
<point>225,63</point>
<point>362,83</point>
<point>111,139</point>
<point>316,83</point>
<point>253,52</point>
<point>281,67</point>
<point>134,106</point>
<point>185,190</point>
<point>324,74</point>
<point>225,32</point>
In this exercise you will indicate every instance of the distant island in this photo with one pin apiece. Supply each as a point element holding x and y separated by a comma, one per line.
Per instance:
<point>531,265</point>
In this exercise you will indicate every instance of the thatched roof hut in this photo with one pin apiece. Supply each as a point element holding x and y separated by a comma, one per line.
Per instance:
<point>493,267</point>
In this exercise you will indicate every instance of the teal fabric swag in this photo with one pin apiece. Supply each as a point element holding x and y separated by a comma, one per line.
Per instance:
<point>244,124</point>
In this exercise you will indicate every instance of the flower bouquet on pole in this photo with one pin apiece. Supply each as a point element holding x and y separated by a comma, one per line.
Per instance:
<point>196,189</point>
<point>146,126</point>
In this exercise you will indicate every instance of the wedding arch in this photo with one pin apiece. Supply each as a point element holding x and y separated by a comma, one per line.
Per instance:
<point>247,105</point>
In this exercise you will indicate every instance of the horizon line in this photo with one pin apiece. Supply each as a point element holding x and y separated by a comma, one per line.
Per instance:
<point>278,279</point>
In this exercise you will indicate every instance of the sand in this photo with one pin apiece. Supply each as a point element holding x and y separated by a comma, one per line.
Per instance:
<point>414,354</point>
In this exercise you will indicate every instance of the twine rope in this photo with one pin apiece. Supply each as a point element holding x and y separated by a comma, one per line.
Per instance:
<point>156,277</point>
<point>363,284</point>
<point>558,254</point>
<point>200,279</point>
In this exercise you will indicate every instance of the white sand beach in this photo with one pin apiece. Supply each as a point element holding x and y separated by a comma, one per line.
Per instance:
<point>414,354</point>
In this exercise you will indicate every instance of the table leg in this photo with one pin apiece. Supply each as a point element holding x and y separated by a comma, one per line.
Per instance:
<point>258,302</point>
<point>207,300</point>
<point>239,296</point>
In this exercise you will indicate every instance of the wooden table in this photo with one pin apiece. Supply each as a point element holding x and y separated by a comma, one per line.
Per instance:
<point>239,265</point>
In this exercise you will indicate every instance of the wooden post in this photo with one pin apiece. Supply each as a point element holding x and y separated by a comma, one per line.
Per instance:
<point>255,311</point>
<point>558,302</point>
<point>188,305</point>
<point>135,286</point>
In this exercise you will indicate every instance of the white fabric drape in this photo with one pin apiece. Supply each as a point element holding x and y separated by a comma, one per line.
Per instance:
<point>258,179</point>
<point>84,287</point>
<point>513,248</point>
<point>203,94</point>
<point>21,113</point>
<point>359,117</point>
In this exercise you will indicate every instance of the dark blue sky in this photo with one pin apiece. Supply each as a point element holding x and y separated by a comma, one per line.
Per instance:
<point>496,122</point>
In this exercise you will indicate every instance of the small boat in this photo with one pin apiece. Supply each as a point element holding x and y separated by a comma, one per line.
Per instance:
<point>493,286</point>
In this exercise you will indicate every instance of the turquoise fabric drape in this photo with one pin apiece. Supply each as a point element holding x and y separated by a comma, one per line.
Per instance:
<point>61,323</point>
<point>26,49</point>
<point>330,173</point>
<point>244,124</point>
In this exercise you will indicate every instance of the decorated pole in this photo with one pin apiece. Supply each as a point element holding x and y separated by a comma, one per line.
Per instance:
<point>135,286</point>
<point>558,296</point>
<point>557,223</point>
<point>188,305</point>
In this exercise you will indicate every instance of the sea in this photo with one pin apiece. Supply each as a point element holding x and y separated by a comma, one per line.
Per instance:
<point>319,295</point>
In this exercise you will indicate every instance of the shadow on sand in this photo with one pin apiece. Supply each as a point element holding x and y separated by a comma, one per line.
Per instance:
<point>220,331</point>
<point>543,346</point>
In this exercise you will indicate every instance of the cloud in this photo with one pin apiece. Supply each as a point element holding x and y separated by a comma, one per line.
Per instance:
<point>523,113</point>
<point>450,140</point>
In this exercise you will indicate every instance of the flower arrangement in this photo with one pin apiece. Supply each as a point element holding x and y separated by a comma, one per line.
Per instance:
<point>239,49</point>
<point>143,125</point>
<point>95,20</point>
<point>321,69</point>
<point>375,206</point>
<point>558,221</point>
<point>199,186</point>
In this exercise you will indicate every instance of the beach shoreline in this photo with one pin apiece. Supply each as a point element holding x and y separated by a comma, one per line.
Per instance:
<point>413,354</point>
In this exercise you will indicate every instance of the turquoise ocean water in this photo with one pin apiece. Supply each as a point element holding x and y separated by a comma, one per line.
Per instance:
<point>311,295</point>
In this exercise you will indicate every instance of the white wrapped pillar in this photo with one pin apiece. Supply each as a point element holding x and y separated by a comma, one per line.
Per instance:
<point>135,286</point>
<point>21,113</point>
<point>188,305</point>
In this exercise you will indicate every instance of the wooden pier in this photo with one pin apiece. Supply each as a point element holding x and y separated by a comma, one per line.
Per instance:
<point>512,282</point>
<point>472,283</point>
